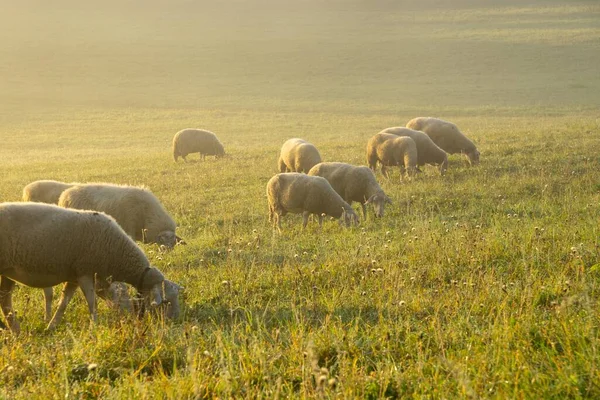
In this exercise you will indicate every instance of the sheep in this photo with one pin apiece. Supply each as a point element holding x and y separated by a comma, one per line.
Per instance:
<point>391,150</point>
<point>48,191</point>
<point>45,191</point>
<point>192,140</point>
<point>353,183</point>
<point>298,193</point>
<point>447,136</point>
<point>42,245</point>
<point>136,209</point>
<point>427,151</point>
<point>297,155</point>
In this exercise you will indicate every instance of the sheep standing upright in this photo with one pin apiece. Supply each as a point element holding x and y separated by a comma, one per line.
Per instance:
<point>191,140</point>
<point>427,151</point>
<point>391,150</point>
<point>353,183</point>
<point>45,191</point>
<point>298,193</point>
<point>447,136</point>
<point>136,209</point>
<point>297,155</point>
<point>42,245</point>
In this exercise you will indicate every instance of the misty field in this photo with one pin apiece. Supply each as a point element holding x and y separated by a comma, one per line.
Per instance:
<point>483,283</point>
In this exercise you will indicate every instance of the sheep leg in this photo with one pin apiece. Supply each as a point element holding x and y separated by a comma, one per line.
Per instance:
<point>305,215</point>
<point>364,208</point>
<point>86,283</point>
<point>48,296</point>
<point>6,287</point>
<point>67,293</point>
<point>384,172</point>
<point>321,221</point>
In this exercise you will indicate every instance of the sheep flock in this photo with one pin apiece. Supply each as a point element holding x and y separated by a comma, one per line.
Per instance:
<point>83,235</point>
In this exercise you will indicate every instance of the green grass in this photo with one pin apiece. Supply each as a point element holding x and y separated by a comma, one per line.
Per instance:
<point>481,283</point>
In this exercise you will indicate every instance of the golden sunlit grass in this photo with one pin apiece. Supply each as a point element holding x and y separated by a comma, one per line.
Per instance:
<point>481,283</point>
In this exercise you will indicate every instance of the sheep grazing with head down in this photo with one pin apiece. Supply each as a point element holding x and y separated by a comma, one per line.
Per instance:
<point>136,209</point>
<point>427,151</point>
<point>43,245</point>
<point>297,155</point>
<point>447,136</point>
<point>45,191</point>
<point>353,183</point>
<point>298,193</point>
<point>191,140</point>
<point>391,150</point>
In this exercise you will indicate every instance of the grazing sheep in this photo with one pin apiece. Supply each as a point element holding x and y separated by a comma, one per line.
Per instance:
<point>391,150</point>
<point>447,136</point>
<point>298,193</point>
<point>191,140</point>
<point>427,151</point>
<point>42,245</point>
<point>45,191</point>
<point>298,155</point>
<point>353,183</point>
<point>136,209</point>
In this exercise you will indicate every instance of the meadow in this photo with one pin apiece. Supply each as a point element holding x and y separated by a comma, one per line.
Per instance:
<point>483,283</point>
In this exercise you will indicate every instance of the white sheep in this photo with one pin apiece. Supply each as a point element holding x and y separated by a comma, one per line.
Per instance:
<point>391,150</point>
<point>43,245</point>
<point>353,183</point>
<point>136,209</point>
<point>447,136</point>
<point>427,151</point>
<point>45,191</point>
<point>297,155</point>
<point>298,193</point>
<point>191,140</point>
<point>49,191</point>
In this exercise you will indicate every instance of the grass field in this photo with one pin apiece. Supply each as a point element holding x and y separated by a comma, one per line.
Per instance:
<point>484,283</point>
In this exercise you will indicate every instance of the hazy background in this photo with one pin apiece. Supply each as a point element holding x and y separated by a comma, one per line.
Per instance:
<point>305,55</point>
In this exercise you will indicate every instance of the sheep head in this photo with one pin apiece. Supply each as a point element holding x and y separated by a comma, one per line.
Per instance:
<point>162,298</point>
<point>167,239</point>
<point>473,156</point>
<point>348,217</point>
<point>379,200</point>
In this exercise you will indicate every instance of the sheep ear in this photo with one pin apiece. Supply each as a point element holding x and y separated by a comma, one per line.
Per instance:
<point>175,285</point>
